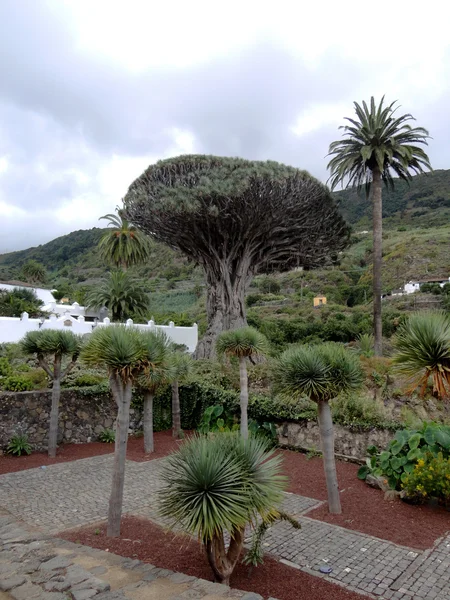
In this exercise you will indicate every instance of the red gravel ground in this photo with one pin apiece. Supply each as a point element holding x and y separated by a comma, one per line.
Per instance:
<point>145,541</point>
<point>164,444</point>
<point>364,508</point>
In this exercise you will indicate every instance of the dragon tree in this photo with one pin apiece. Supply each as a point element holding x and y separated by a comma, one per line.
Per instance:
<point>236,218</point>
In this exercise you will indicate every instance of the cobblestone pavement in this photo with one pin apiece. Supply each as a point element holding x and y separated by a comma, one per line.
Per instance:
<point>34,566</point>
<point>73,494</point>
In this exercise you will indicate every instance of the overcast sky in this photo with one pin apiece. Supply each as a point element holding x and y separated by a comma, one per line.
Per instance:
<point>93,91</point>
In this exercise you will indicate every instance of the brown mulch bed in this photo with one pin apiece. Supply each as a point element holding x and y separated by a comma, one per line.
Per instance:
<point>141,539</point>
<point>164,444</point>
<point>364,508</point>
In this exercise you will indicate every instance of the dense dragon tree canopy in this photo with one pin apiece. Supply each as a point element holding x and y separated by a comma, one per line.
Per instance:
<point>231,211</point>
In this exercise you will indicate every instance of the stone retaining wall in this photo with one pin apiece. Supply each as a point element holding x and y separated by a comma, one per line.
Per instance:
<point>305,436</point>
<point>81,418</point>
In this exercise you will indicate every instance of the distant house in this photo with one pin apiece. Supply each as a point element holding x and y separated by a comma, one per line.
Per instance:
<point>414,286</point>
<point>319,301</point>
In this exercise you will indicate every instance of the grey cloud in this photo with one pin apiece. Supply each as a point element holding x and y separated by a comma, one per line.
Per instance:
<point>67,110</point>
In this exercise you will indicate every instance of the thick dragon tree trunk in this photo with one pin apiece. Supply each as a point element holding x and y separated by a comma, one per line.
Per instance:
<point>244,396</point>
<point>122,395</point>
<point>221,561</point>
<point>176,412</point>
<point>329,463</point>
<point>54,412</point>
<point>377,259</point>
<point>148,422</point>
<point>225,302</point>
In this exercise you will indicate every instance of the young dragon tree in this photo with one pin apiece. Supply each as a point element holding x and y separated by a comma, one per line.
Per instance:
<point>157,370</point>
<point>220,484</point>
<point>53,345</point>
<point>242,343</point>
<point>236,218</point>
<point>320,372</point>
<point>121,351</point>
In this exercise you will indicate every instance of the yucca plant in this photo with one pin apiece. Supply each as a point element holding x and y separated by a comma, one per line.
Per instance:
<point>53,344</point>
<point>320,372</point>
<point>220,484</point>
<point>121,351</point>
<point>242,343</point>
<point>157,370</point>
<point>423,352</point>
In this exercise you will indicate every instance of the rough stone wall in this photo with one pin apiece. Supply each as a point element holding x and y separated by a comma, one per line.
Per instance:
<point>306,436</point>
<point>81,418</point>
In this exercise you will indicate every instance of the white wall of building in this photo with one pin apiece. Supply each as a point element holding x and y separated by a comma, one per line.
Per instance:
<point>13,329</point>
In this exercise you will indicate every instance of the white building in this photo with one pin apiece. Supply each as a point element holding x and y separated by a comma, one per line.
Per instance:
<point>45,295</point>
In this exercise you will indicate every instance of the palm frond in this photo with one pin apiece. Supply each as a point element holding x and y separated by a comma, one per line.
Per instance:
<point>245,341</point>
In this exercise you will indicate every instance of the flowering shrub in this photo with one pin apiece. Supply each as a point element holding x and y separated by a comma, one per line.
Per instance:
<point>429,479</point>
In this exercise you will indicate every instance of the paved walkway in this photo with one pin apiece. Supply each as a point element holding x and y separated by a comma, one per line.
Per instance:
<point>68,495</point>
<point>34,566</point>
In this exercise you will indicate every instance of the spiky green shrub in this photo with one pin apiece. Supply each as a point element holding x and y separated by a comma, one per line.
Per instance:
<point>423,351</point>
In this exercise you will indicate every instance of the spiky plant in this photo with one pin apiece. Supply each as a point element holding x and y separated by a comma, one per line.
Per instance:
<point>157,370</point>
<point>122,295</point>
<point>53,345</point>
<point>220,484</point>
<point>123,245</point>
<point>320,372</point>
<point>423,351</point>
<point>121,351</point>
<point>378,146</point>
<point>242,343</point>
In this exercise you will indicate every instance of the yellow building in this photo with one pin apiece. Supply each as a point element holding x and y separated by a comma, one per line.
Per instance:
<point>319,301</point>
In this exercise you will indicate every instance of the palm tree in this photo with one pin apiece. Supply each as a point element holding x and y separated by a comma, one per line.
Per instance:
<point>57,344</point>
<point>33,271</point>
<point>121,351</point>
<point>423,351</point>
<point>243,343</point>
<point>377,145</point>
<point>157,370</point>
<point>220,484</point>
<point>320,372</point>
<point>182,366</point>
<point>123,245</point>
<point>122,295</point>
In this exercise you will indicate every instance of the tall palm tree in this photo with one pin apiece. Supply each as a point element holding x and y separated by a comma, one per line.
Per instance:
<point>123,245</point>
<point>54,344</point>
<point>182,366</point>
<point>320,372</point>
<point>243,343</point>
<point>122,295</point>
<point>121,351</point>
<point>423,351</point>
<point>377,146</point>
<point>157,370</point>
<point>221,484</point>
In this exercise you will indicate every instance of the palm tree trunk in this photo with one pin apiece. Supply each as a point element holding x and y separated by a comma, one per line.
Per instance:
<point>176,416</point>
<point>244,396</point>
<point>148,422</point>
<point>329,463</point>
<point>377,207</point>
<point>122,395</point>
<point>222,562</point>
<point>54,412</point>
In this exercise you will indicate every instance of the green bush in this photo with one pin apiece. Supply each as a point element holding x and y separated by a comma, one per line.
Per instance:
<point>430,478</point>
<point>17,383</point>
<point>409,446</point>
<point>360,412</point>
<point>19,445</point>
<point>253,299</point>
<point>87,379</point>
<point>38,378</point>
<point>108,436</point>
<point>217,419</point>
<point>5,367</point>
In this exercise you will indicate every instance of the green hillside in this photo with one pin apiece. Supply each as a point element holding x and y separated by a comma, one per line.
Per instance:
<point>425,202</point>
